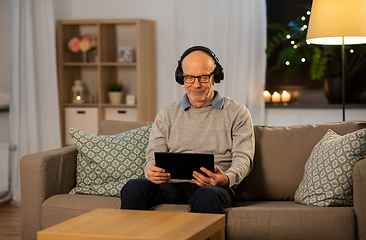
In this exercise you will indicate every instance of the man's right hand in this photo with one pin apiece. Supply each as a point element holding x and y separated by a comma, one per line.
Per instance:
<point>157,175</point>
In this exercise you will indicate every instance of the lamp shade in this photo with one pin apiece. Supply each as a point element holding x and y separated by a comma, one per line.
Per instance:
<point>330,20</point>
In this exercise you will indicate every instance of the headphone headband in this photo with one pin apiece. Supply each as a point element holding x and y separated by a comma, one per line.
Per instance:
<point>199,48</point>
<point>218,72</point>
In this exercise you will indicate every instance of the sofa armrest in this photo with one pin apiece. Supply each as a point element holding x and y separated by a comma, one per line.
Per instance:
<point>359,196</point>
<point>43,175</point>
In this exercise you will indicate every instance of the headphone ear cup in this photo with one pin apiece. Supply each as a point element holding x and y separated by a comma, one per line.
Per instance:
<point>179,75</point>
<point>219,74</point>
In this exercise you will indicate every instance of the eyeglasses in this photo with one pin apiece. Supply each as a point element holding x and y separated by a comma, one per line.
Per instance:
<point>202,78</point>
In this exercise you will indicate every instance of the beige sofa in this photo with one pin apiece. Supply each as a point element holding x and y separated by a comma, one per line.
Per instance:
<point>264,209</point>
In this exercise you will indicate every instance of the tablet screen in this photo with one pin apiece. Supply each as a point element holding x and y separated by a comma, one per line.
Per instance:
<point>182,165</point>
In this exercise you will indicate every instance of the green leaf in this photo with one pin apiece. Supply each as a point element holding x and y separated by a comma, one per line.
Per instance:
<point>318,66</point>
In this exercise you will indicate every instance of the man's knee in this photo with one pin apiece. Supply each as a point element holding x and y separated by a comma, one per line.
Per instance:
<point>135,185</point>
<point>134,194</point>
<point>210,199</point>
<point>208,192</point>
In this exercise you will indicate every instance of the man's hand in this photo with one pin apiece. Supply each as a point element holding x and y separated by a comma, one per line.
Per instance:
<point>157,175</point>
<point>218,178</point>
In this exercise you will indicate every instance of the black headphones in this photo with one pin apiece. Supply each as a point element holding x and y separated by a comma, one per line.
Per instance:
<point>218,72</point>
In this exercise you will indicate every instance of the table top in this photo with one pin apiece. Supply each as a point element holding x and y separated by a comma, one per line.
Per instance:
<point>135,224</point>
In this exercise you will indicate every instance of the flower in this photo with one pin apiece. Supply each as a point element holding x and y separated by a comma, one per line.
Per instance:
<point>74,44</point>
<point>93,41</point>
<point>82,43</point>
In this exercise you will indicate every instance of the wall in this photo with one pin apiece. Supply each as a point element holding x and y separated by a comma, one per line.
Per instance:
<point>161,11</point>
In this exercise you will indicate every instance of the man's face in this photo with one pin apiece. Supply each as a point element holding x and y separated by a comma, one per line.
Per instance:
<point>199,63</point>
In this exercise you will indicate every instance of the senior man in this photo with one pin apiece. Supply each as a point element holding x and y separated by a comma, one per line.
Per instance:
<point>202,122</point>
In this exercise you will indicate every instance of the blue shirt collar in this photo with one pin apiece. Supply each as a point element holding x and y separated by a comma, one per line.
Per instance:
<point>218,101</point>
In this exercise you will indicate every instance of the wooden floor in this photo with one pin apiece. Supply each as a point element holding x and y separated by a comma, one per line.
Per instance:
<point>9,221</point>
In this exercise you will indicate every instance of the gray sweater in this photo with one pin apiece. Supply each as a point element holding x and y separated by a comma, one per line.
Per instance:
<point>226,132</point>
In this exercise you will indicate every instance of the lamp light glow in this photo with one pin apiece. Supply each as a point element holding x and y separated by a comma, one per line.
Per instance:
<point>331,20</point>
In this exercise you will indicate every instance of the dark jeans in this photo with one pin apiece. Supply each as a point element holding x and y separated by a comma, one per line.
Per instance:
<point>141,194</point>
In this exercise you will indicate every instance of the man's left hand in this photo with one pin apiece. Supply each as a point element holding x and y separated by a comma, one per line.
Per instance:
<point>218,178</point>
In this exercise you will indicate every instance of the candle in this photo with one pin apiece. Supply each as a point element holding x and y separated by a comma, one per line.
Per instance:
<point>276,97</point>
<point>286,96</point>
<point>267,96</point>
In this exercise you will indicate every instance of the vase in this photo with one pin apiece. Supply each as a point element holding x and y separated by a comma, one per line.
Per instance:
<point>115,97</point>
<point>92,55</point>
<point>85,57</point>
<point>333,89</point>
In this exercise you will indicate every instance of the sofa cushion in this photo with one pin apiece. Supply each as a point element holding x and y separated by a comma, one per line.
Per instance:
<point>106,163</point>
<point>327,179</point>
<point>173,208</point>
<point>111,127</point>
<point>62,207</point>
<point>288,220</point>
<point>280,157</point>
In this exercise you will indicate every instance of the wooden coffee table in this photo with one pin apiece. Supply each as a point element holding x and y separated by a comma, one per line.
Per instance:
<point>103,224</point>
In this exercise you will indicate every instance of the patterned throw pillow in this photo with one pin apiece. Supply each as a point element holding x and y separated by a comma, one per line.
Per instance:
<point>106,163</point>
<point>327,178</point>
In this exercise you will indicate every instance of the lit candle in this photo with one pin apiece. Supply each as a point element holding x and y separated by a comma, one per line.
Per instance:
<point>286,96</point>
<point>276,97</point>
<point>267,96</point>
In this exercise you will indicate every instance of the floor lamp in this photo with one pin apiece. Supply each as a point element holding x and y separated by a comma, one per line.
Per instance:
<point>337,22</point>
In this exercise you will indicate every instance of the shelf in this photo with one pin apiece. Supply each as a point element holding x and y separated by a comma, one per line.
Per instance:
<point>138,76</point>
<point>94,64</point>
<point>119,105</point>
<point>80,64</point>
<point>128,64</point>
<point>80,105</point>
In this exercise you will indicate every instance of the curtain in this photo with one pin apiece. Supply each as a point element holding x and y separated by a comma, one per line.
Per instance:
<point>34,113</point>
<point>235,31</point>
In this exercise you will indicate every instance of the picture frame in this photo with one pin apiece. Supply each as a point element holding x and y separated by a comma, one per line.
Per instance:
<point>125,54</point>
<point>130,99</point>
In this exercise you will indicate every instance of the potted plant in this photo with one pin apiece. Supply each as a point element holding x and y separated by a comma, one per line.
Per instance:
<point>325,61</point>
<point>115,92</point>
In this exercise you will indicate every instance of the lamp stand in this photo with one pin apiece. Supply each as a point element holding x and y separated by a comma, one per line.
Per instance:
<point>343,82</point>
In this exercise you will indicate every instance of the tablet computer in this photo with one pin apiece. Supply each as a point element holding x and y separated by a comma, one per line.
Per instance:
<point>182,165</point>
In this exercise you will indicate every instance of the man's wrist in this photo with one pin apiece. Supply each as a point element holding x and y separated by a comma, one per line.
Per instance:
<point>228,181</point>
